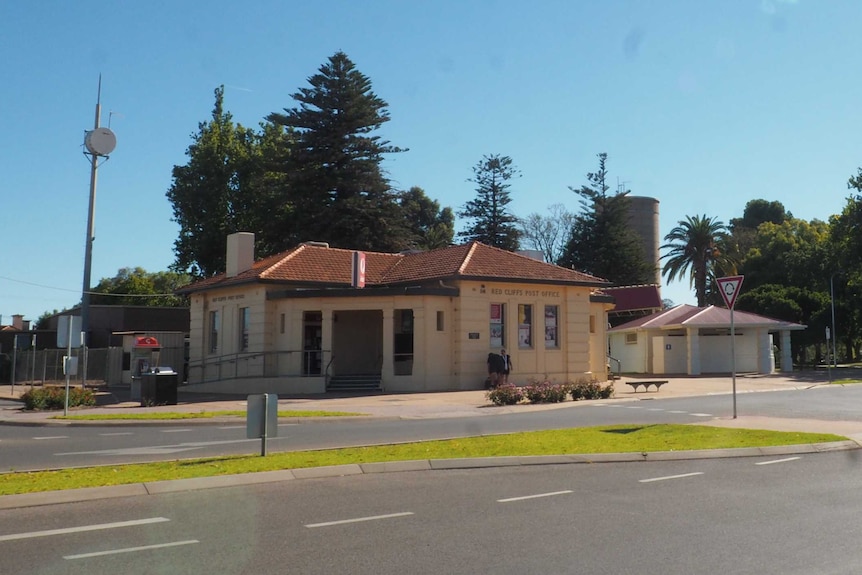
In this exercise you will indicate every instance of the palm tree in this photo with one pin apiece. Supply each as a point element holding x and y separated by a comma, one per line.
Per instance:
<point>696,246</point>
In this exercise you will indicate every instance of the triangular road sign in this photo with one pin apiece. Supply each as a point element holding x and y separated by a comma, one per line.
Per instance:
<point>729,288</point>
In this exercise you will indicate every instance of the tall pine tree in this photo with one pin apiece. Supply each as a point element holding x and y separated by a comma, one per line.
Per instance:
<point>602,243</point>
<point>492,223</point>
<point>209,195</point>
<point>337,190</point>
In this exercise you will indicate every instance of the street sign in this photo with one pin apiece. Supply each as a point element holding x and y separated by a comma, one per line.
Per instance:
<point>262,418</point>
<point>729,288</point>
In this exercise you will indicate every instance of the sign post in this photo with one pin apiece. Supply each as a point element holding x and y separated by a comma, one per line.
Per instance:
<point>262,418</point>
<point>728,287</point>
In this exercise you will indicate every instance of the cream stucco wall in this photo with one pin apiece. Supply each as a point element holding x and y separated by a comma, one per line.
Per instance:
<point>449,354</point>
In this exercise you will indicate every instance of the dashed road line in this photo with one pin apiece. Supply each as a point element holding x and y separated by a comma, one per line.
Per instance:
<point>670,477</point>
<point>116,433</point>
<point>785,460</point>
<point>51,437</point>
<point>536,496</point>
<point>702,414</point>
<point>359,519</point>
<point>131,549</point>
<point>82,528</point>
<point>174,430</point>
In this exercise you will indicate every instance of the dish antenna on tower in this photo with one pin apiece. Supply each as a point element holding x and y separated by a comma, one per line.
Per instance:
<point>100,142</point>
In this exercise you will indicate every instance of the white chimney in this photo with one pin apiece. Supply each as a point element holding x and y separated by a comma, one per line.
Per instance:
<point>240,253</point>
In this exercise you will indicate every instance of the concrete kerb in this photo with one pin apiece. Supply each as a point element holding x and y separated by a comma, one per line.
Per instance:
<point>200,483</point>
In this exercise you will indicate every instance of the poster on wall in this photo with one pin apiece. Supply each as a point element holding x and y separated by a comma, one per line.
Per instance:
<point>496,335</point>
<point>550,326</point>
<point>496,313</point>
<point>524,337</point>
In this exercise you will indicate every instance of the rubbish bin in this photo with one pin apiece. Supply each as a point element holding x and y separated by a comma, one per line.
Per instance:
<point>159,386</point>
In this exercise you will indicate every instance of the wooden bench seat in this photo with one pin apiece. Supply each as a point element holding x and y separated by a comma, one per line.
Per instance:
<point>646,383</point>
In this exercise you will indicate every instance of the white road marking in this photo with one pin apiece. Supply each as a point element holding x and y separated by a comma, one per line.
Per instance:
<point>510,499</point>
<point>232,427</point>
<point>157,449</point>
<point>359,519</point>
<point>677,411</point>
<point>131,549</point>
<point>51,437</point>
<point>633,407</point>
<point>117,433</point>
<point>655,409</point>
<point>670,477</point>
<point>702,414</point>
<point>777,461</point>
<point>82,528</point>
<point>174,430</point>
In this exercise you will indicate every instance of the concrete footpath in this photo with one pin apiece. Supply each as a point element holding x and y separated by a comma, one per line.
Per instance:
<point>471,403</point>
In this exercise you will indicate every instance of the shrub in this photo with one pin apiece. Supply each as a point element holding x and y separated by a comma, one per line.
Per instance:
<point>53,398</point>
<point>546,392</point>
<point>591,389</point>
<point>505,394</point>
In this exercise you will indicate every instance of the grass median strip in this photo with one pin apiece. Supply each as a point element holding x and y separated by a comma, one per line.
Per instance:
<point>196,415</point>
<point>586,440</point>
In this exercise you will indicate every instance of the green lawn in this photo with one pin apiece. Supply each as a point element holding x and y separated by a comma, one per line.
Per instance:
<point>605,439</point>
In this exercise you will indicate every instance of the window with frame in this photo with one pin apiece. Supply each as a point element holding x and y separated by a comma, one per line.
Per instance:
<point>525,326</point>
<point>552,336</point>
<point>631,338</point>
<point>214,329</point>
<point>244,322</point>
<point>440,323</point>
<point>497,330</point>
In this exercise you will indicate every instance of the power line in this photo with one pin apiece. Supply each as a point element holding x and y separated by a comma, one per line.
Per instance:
<point>89,292</point>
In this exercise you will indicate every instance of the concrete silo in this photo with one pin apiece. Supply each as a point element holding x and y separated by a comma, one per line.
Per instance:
<point>643,217</point>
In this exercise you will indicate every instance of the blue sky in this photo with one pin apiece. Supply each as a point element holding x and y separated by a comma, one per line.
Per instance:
<point>703,105</point>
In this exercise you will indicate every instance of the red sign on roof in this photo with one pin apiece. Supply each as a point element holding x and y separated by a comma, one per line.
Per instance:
<point>146,341</point>
<point>729,288</point>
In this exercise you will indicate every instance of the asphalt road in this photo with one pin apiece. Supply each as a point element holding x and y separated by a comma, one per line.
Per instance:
<point>30,448</point>
<point>789,515</point>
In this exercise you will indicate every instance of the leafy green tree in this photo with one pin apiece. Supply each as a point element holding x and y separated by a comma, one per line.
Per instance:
<point>601,242</point>
<point>694,248</point>
<point>549,233</point>
<point>431,227</point>
<point>744,229</point>
<point>794,304</point>
<point>843,268</point>
<point>208,196</point>
<point>135,286</point>
<point>42,322</point>
<point>491,221</point>
<point>791,253</point>
<point>337,190</point>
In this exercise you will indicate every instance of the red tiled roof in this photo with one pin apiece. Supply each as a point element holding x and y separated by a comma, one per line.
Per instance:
<point>715,317</point>
<point>629,298</point>
<point>309,264</point>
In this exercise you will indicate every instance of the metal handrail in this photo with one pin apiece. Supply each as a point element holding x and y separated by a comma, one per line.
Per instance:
<point>326,375</point>
<point>619,367</point>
